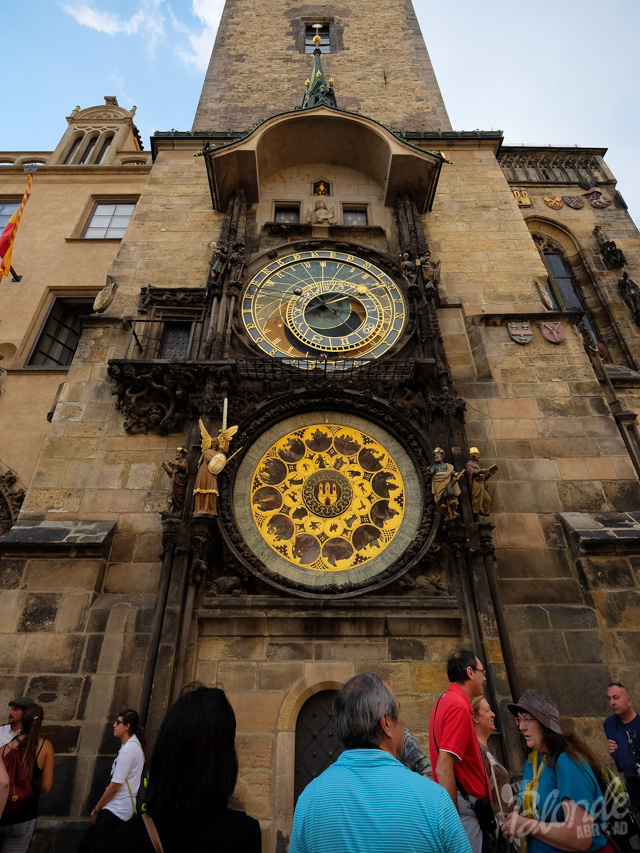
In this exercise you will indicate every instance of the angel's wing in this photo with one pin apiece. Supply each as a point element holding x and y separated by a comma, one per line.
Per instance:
<point>206,438</point>
<point>227,434</point>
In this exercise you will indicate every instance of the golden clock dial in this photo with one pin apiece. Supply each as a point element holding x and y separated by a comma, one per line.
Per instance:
<point>316,304</point>
<point>327,497</point>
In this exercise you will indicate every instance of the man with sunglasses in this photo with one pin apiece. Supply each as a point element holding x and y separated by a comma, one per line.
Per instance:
<point>453,744</point>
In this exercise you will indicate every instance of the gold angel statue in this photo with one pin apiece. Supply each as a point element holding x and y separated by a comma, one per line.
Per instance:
<point>211,463</point>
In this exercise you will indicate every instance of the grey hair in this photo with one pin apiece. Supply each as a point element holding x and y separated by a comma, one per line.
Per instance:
<point>359,706</point>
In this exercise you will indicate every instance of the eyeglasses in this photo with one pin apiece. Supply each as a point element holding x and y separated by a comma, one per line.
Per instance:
<point>479,669</point>
<point>119,723</point>
<point>525,719</point>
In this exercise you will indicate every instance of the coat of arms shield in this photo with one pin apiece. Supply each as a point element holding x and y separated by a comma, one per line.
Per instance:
<point>552,331</point>
<point>520,331</point>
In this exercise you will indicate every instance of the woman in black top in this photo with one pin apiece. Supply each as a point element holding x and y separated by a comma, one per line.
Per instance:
<point>192,775</point>
<point>17,827</point>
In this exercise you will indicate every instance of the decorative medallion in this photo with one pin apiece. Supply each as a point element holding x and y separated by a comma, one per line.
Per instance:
<point>597,200</point>
<point>521,196</point>
<point>554,203</point>
<point>520,331</point>
<point>106,296</point>
<point>544,295</point>
<point>573,201</point>
<point>322,305</point>
<point>331,501</point>
<point>552,331</point>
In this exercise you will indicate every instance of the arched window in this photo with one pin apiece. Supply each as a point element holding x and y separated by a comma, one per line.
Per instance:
<point>88,151</point>
<point>73,150</point>
<point>561,284</point>
<point>102,153</point>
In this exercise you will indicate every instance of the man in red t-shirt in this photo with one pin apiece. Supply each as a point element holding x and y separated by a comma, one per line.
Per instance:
<point>454,748</point>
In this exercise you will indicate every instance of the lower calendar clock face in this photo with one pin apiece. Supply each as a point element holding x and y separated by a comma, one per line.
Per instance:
<point>327,497</point>
<point>320,304</point>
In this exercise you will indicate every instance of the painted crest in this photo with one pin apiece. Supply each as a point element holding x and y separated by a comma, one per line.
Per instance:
<point>554,203</point>
<point>597,200</point>
<point>521,196</point>
<point>573,201</point>
<point>552,331</point>
<point>543,293</point>
<point>520,331</point>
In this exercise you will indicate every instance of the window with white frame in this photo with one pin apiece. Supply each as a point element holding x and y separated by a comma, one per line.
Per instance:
<point>109,220</point>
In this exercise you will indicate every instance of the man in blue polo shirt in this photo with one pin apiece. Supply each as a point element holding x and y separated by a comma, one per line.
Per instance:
<point>368,802</point>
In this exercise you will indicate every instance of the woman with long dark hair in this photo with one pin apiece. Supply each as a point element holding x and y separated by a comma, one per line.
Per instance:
<point>192,776</point>
<point>17,827</point>
<point>560,795</point>
<point>117,804</point>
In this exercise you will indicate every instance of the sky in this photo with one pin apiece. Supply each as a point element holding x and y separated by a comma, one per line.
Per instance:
<point>553,72</point>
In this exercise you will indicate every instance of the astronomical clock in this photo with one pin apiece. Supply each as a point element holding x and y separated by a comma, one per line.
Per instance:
<point>327,498</point>
<point>322,305</point>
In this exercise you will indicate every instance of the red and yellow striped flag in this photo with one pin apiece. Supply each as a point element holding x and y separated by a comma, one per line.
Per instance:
<point>9,233</point>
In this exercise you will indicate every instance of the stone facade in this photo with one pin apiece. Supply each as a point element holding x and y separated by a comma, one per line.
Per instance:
<point>110,601</point>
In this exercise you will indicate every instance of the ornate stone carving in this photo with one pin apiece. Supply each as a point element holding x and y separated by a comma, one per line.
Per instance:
<point>161,397</point>
<point>611,254</point>
<point>321,214</point>
<point>171,297</point>
<point>10,501</point>
<point>630,292</point>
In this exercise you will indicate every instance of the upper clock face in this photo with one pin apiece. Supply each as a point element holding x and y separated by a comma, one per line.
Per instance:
<point>319,303</point>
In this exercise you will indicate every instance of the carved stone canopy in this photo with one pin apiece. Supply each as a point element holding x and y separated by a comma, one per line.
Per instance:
<point>322,135</point>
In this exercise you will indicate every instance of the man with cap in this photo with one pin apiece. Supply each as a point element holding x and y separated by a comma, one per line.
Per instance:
<point>622,729</point>
<point>14,726</point>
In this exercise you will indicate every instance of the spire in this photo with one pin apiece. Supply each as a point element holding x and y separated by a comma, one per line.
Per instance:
<point>318,92</point>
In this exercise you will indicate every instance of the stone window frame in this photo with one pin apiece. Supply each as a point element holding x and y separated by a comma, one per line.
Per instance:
<point>89,211</point>
<point>308,21</point>
<point>595,300</point>
<point>281,206</point>
<point>25,351</point>
<point>151,332</point>
<point>66,301</point>
<point>359,207</point>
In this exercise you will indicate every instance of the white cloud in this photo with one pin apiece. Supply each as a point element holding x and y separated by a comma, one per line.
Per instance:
<point>197,50</point>
<point>148,21</point>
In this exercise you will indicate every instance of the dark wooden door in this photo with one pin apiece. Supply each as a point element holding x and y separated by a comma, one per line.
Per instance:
<point>317,744</point>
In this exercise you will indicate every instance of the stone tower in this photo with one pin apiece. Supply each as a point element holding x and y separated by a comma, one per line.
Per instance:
<point>377,57</point>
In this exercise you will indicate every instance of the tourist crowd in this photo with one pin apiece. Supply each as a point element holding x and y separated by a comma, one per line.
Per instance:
<point>377,797</point>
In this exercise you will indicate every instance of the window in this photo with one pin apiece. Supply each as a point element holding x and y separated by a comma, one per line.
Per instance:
<point>104,148</point>
<point>323,31</point>
<point>175,342</point>
<point>355,215</point>
<point>73,150</point>
<point>562,287</point>
<point>91,144</point>
<point>7,209</point>
<point>287,213</point>
<point>109,221</point>
<point>60,334</point>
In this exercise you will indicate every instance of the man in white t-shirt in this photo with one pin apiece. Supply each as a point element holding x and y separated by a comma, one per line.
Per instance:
<point>14,726</point>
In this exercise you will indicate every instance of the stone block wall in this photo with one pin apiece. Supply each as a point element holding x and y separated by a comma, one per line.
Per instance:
<point>271,656</point>
<point>380,43</point>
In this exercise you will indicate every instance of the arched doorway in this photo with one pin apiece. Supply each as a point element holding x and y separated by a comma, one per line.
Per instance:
<point>317,744</point>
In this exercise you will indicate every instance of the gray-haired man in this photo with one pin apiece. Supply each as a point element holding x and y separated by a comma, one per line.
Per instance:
<point>368,801</point>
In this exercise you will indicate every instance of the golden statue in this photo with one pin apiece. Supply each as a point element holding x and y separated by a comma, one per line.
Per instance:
<point>212,461</point>
<point>477,477</point>
<point>444,484</point>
